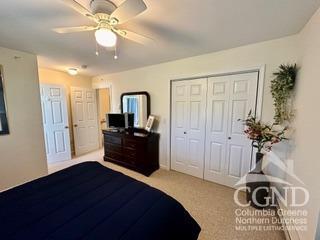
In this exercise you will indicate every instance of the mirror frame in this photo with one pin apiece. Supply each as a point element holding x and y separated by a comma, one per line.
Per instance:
<point>3,109</point>
<point>137,93</point>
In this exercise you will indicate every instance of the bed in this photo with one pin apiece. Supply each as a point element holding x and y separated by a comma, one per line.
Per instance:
<point>90,201</point>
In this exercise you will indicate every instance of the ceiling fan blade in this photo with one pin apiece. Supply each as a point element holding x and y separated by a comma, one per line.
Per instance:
<point>128,10</point>
<point>74,29</point>
<point>80,9</point>
<point>135,37</point>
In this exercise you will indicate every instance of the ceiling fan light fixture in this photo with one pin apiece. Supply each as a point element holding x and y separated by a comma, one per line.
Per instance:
<point>106,37</point>
<point>72,71</point>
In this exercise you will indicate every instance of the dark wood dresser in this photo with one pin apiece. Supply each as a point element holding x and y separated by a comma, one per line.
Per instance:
<point>137,150</point>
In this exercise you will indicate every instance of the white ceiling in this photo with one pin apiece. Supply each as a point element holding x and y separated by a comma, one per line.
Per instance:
<point>181,28</point>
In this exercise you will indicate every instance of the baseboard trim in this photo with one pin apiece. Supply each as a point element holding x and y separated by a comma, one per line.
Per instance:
<point>290,234</point>
<point>165,167</point>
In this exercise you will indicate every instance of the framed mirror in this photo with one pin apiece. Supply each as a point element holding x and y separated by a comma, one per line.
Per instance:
<point>137,103</point>
<point>4,128</point>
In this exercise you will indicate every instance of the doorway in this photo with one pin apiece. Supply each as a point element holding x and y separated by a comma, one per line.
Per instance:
<point>104,107</point>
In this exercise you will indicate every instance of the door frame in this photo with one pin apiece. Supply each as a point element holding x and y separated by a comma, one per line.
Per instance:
<point>261,69</point>
<point>103,85</point>
<point>98,110</point>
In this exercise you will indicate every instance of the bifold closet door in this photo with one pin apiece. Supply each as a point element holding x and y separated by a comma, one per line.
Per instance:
<point>228,151</point>
<point>188,126</point>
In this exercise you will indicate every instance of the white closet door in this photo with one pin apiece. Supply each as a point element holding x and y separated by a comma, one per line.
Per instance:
<point>55,122</point>
<point>179,126</point>
<point>216,128</point>
<point>188,126</point>
<point>85,120</point>
<point>228,151</point>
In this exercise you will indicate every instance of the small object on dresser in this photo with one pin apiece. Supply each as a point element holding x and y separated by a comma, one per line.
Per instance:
<point>149,123</point>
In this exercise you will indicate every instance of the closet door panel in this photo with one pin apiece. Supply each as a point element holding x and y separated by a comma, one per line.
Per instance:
<point>196,126</point>
<point>179,152</point>
<point>188,126</point>
<point>179,125</point>
<point>235,160</point>
<point>216,128</point>
<point>228,151</point>
<point>242,101</point>
<point>216,153</point>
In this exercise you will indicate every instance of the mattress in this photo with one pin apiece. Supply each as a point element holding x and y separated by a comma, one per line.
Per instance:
<point>90,201</point>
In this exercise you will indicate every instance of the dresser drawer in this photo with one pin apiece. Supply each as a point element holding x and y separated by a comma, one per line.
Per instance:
<point>113,147</point>
<point>130,152</point>
<point>111,139</point>
<point>129,143</point>
<point>130,160</point>
<point>115,156</point>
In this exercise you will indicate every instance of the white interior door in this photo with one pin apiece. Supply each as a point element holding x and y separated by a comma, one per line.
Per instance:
<point>228,151</point>
<point>188,126</point>
<point>55,122</point>
<point>85,120</point>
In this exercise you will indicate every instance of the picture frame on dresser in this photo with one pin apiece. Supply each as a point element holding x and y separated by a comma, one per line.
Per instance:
<point>4,127</point>
<point>150,122</point>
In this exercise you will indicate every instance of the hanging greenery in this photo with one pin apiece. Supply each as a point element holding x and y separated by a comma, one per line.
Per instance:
<point>281,89</point>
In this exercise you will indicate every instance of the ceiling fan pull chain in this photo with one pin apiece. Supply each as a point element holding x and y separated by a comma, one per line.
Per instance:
<point>115,53</point>
<point>97,49</point>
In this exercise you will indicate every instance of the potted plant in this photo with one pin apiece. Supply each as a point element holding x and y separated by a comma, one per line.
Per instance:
<point>282,87</point>
<point>263,137</point>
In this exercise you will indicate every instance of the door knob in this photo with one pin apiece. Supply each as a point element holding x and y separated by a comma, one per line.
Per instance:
<point>184,132</point>
<point>66,127</point>
<point>75,125</point>
<point>229,138</point>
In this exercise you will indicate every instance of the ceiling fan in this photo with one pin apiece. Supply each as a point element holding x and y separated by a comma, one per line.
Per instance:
<point>107,17</point>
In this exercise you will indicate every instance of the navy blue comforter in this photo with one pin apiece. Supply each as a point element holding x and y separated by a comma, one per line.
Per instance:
<point>90,201</point>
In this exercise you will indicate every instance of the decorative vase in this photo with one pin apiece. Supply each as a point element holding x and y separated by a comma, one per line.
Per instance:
<point>259,158</point>
<point>257,184</point>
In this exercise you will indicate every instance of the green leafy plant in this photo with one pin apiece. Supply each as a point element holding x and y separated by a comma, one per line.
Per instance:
<point>281,89</point>
<point>263,135</point>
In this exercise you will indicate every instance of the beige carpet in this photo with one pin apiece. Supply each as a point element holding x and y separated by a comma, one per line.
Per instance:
<point>211,204</point>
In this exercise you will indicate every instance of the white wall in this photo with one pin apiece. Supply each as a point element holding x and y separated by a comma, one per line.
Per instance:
<point>156,79</point>
<point>306,152</point>
<point>22,152</point>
